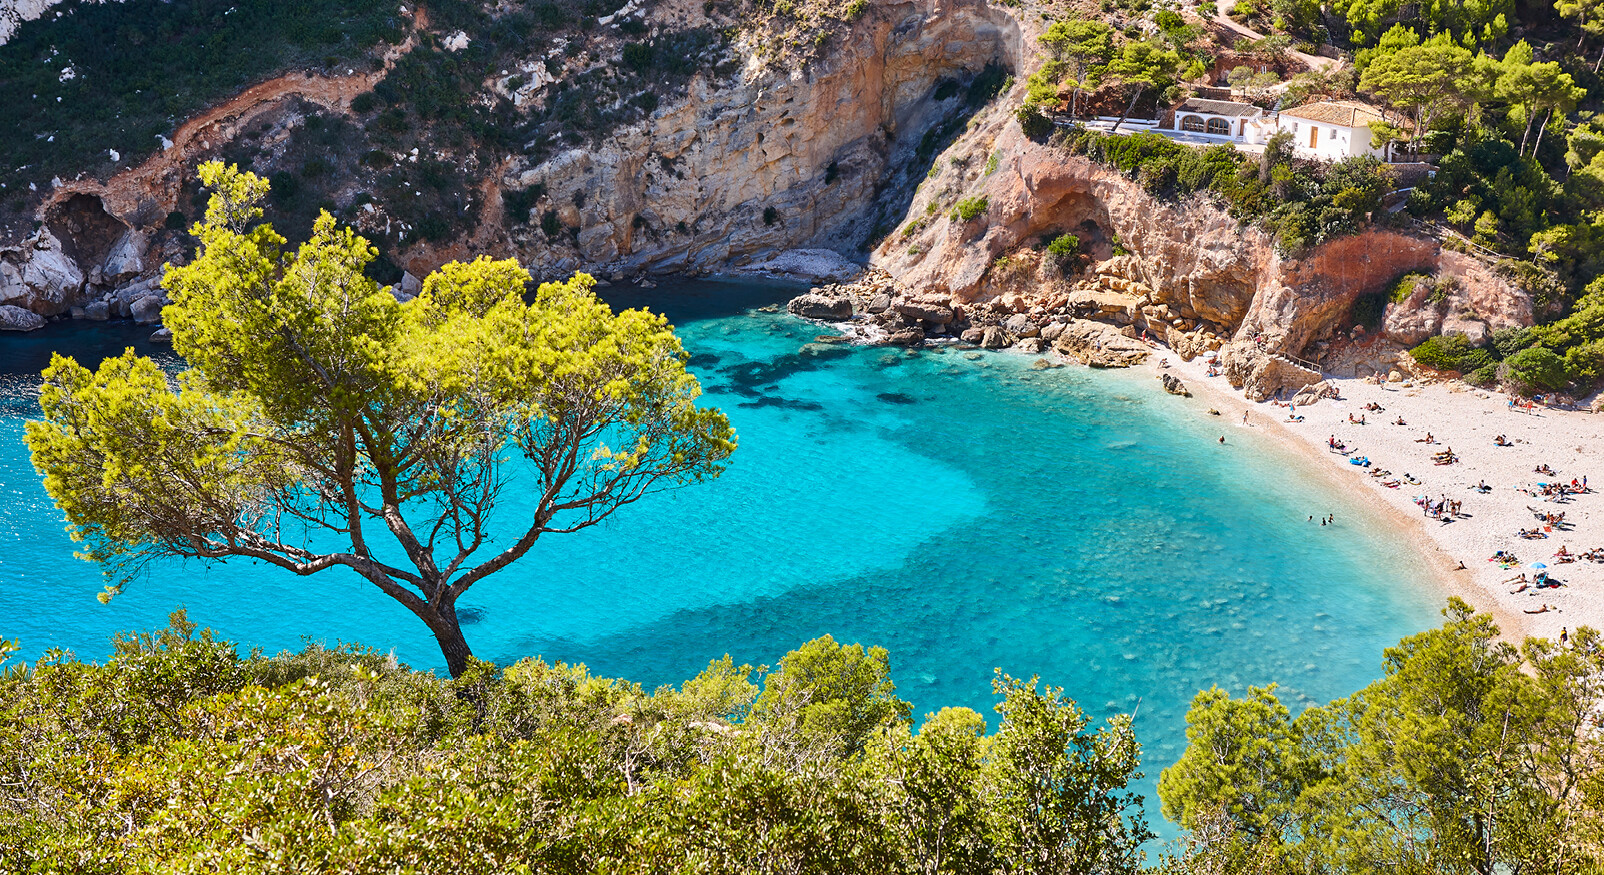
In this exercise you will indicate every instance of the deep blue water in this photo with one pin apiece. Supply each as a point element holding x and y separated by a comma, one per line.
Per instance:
<point>962,509</point>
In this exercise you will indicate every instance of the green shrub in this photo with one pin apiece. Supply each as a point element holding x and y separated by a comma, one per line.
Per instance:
<point>1535,368</point>
<point>550,225</point>
<point>1401,288</point>
<point>175,221</point>
<point>1063,246</point>
<point>1033,123</point>
<point>1508,341</point>
<point>638,56</point>
<point>970,207</point>
<point>1484,376</point>
<point>770,215</point>
<point>364,103</point>
<point>1449,352</point>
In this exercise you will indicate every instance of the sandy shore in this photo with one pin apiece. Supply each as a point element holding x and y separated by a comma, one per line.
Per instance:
<point>1466,420</point>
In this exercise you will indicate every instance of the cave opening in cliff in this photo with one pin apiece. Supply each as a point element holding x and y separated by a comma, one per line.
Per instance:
<point>87,231</point>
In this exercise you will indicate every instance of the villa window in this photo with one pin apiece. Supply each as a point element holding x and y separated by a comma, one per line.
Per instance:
<point>1192,123</point>
<point>1220,126</point>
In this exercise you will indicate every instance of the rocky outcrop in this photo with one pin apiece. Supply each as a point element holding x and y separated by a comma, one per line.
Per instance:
<point>823,307</point>
<point>1462,298</point>
<point>1100,345</point>
<point>1174,386</point>
<point>1188,272</point>
<point>17,319</point>
<point>1259,373</point>
<point>40,276</point>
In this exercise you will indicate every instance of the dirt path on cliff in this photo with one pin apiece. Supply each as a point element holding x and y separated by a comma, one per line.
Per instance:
<point>160,177</point>
<point>1313,62</point>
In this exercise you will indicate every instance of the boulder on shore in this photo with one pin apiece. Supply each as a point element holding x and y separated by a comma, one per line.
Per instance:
<point>1100,345</point>
<point>816,306</point>
<point>1259,374</point>
<point>909,337</point>
<point>147,309</point>
<point>1174,386</point>
<point>936,314</point>
<point>13,318</point>
<point>995,338</point>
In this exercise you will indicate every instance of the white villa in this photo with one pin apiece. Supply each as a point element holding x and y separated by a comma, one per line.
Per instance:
<point>1226,119</point>
<point>1332,130</point>
<point>1327,130</point>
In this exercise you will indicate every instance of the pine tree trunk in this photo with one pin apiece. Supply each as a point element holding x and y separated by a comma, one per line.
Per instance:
<point>1129,107</point>
<point>1540,131</point>
<point>448,634</point>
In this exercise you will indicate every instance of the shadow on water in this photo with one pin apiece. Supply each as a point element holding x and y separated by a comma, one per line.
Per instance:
<point>685,301</point>
<point>89,342</point>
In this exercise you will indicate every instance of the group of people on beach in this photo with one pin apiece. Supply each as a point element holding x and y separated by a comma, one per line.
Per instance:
<point>1444,508</point>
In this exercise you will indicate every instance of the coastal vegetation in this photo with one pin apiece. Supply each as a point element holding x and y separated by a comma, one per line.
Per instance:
<point>322,424</point>
<point>1495,98</point>
<point>178,753</point>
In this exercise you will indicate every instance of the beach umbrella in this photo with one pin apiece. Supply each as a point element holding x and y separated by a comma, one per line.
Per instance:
<point>1538,565</point>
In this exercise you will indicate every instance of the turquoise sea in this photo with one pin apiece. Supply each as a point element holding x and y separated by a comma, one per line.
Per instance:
<point>964,510</point>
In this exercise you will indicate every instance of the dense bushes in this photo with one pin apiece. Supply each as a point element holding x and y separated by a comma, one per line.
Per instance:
<point>177,755</point>
<point>1301,203</point>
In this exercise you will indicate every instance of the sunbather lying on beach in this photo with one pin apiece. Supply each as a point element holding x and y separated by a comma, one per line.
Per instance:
<point>1428,439</point>
<point>1541,610</point>
<point>1399,421</point>
<point>1502,441</point>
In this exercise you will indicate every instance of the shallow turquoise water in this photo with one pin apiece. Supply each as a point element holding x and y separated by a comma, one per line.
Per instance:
<point>966,514</point>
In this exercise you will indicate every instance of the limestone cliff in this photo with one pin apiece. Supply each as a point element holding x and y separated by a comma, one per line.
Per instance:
<point>750,159</point>
<point>814,157</point>
<point>1210,271</point>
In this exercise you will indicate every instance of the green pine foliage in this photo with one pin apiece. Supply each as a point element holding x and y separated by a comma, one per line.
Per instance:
<point>1469,755</point>
<point>179,754</point>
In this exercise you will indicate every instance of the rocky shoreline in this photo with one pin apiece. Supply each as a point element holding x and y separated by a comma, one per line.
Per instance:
<point>1107,321</point>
